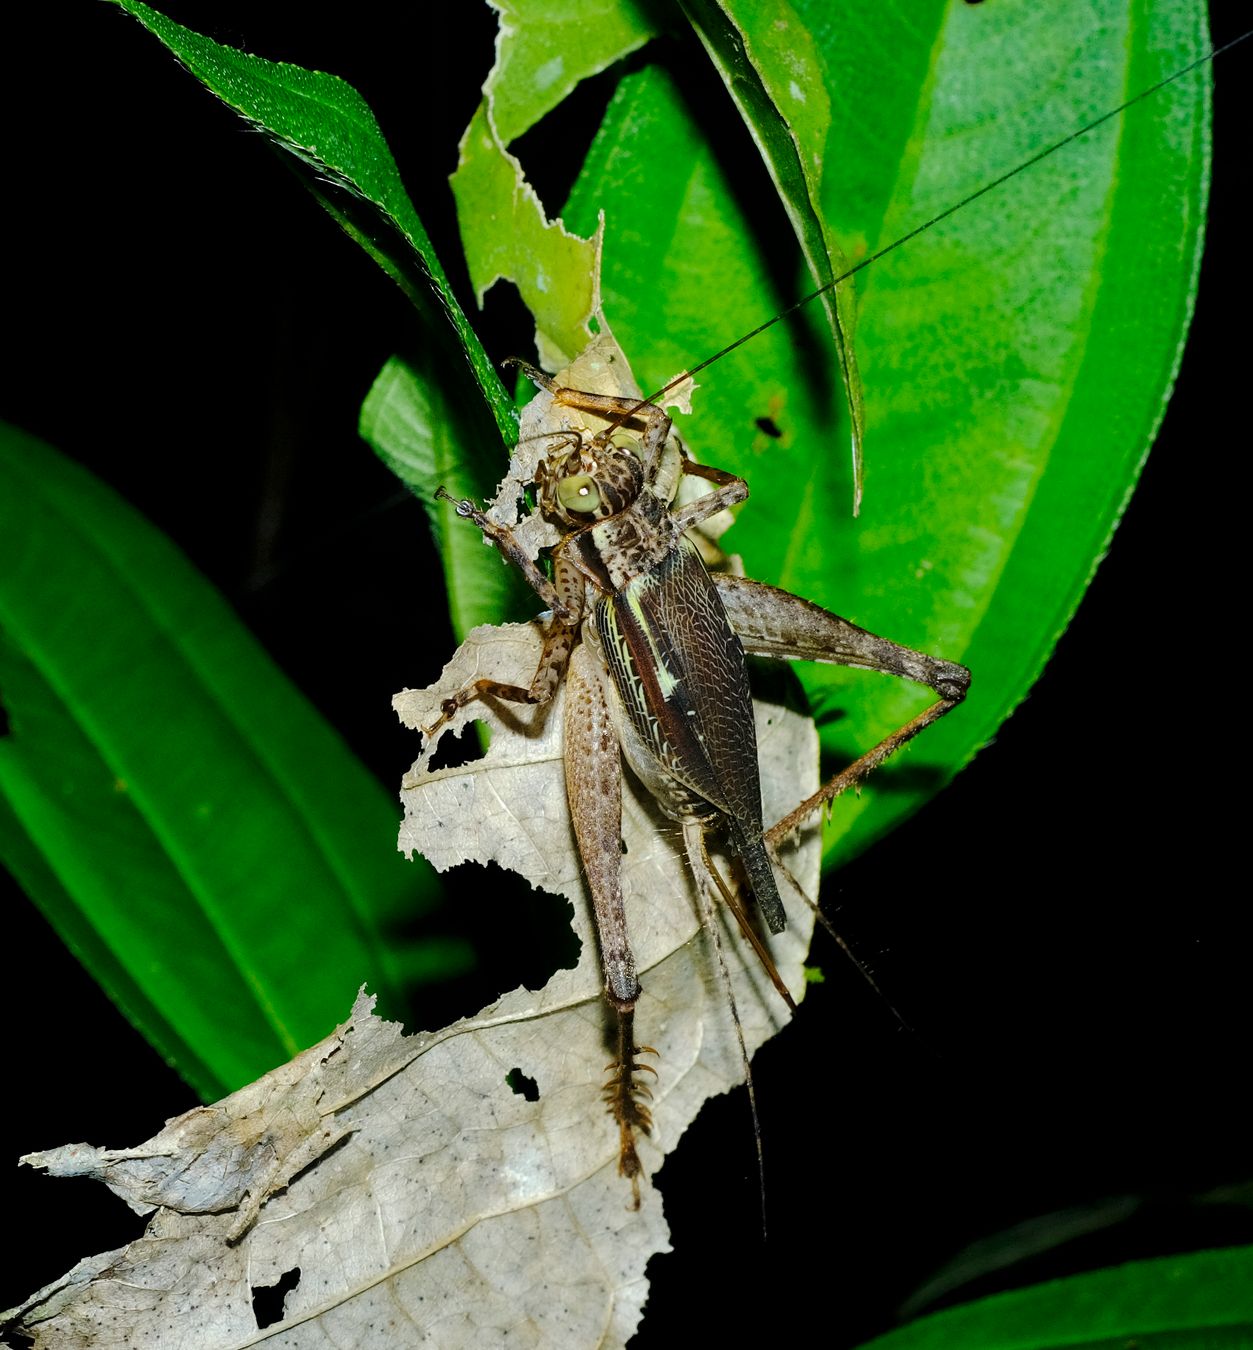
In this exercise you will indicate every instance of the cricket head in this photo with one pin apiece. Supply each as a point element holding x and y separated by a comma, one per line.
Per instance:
<point>591,479</point>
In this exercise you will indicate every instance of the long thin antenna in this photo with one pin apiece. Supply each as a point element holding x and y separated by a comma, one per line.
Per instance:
<point>961,205</point>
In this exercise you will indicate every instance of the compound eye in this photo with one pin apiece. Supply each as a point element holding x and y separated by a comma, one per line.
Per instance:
<point>622,439</point>
<point>579,493</point>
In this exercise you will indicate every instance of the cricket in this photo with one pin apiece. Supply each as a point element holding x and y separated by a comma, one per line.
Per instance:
<point>650,647</point>
<point>666,685</point>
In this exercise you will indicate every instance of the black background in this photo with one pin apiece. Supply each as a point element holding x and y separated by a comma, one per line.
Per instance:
<point>1063,927</point>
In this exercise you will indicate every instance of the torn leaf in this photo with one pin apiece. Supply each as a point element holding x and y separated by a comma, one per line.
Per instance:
<point>402,1175</point>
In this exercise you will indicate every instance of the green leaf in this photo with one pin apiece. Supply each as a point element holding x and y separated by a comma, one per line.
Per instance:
<point>541,55</point>
<point>420,434</point>
<point>1016,359</point>
<point>328,127</point>
<point>205,844</point>
<point>771,67</point>
<point>545,50</point>
<point>507,237</point>
<point>1203,1301</point>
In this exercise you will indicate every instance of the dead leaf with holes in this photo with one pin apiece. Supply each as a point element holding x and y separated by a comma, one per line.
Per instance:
<point>397,1187</point>
<point>413,1190</point>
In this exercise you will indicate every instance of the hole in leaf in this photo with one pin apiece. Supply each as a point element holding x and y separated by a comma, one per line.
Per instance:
<point>569,127</point>
<point>519,936</point>
<point>777,683</point>
<point>769,426</point>
<point>268,1299</point>
<point>523,1085</point>
<point>463,747</point>
<point>507,319</point>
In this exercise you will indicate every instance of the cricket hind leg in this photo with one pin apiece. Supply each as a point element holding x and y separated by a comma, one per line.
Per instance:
<point>593,769</point>
<point>857,772</point>
<point>771,622</point>
<point>775,623</point>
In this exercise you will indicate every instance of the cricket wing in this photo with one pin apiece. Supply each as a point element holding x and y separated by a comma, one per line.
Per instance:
<point>680,673</point>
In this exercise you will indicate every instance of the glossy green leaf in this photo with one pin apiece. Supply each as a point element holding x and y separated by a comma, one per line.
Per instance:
<point>1202,1301</point>
<point>323,122</point>
<point>507,237</point>
<point>545,50</point>
<point>206,845</point>
<point>772,68</point>
<point>1016,359</point>
<point>423,437</point>
<point>542,53</point>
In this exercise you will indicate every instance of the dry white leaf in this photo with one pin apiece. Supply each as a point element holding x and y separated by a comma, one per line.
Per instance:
<point>420,1198</point>
<point>400,1187</point>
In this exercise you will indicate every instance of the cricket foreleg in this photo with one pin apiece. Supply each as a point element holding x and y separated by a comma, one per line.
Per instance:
<point>593,763</point>
<point>560,638</point>
<point>614,408</point>
<point>559,641</point>
<point>503,538</point>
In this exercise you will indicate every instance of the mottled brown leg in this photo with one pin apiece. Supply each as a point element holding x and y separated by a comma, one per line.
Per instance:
<point>503,538</point>
<point>558,643</point>
<point>560,638</point>
<point>593,764</point>
<point>856,773</point>
<point>625,411</point>
<point>771,622</point>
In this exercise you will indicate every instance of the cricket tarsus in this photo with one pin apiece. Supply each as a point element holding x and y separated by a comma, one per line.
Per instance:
<point>622,1094</point>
